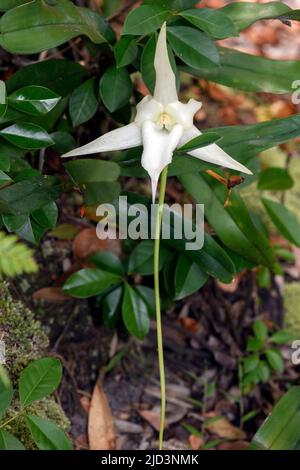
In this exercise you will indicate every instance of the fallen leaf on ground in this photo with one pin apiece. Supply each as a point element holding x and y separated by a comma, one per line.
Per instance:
<point>152,417</point>
<point>87,243</point>
<point>222,427</point>
<point>236,445</point>
<point>196,442</point>
<point>50,294</point>
<point>101,427</point>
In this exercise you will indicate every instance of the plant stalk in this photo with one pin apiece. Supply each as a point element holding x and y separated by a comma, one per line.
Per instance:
<point>162,191</point>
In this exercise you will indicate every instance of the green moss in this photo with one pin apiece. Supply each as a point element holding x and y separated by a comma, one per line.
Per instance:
<point>25,341</point>
<point>292,307</point>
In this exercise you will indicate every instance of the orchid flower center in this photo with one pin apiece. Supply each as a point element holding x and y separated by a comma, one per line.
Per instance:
<point>165,121</point>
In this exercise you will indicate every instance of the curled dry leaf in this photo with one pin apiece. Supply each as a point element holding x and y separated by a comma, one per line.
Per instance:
<point>87,243</point>
<point>51,294</point>
<point>223,428</point>
<point>101,427</point>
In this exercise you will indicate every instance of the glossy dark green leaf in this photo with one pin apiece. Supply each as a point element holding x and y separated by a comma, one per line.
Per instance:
<point>284,220</point>
<point>148,297</point>
<point>34,100</point>
<point>27,136</point>
<point>125,51</point>
<point>135,313</point>
<point>275,179</point>
<point>176,5</point>
<point>63,141</point>
<point>90,282</point>
<point>9,442</point>
<point>200,141</point>
<point>189,278</point>
<point>101,193</point>
<point>115,88</point>
<point>142,258</point>
<point>29,195</point>
<point>260,330</point>
<point>4,179</point>
<point>6,391</point>
<point>38,26</point>
<point>193,47</point>
<point>24,227</point>
<point>233,225</point>
<point>111,307</point>
<point>47,215</point>
<point>264,277</point>
<point>90,170</point>
<point>59,75</point>
<point>281,429</point>
<point>39,379</point>
<point>144,20</point>
<point>249,72</point>
<point>47,435</point>
<point>108,261</point>
<point>213,22</point>
<point>83,103</point>
<point>243,14</point>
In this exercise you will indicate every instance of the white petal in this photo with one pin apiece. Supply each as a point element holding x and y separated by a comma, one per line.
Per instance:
<point>212,153</point>
<point>159,146</point>
<point>119,139</point>
<point>165,87</point>
<point>184,113</point>
<point>148,110</point>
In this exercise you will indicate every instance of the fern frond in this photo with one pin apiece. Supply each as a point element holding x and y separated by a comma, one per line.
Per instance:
<point>15,257</point>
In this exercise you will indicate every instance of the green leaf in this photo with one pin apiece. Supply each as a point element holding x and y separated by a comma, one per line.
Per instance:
<point>6,391</point>
<point>260,330</point>
<point>198,142</point>
<point>281,337</point>
<point>213,22</point>
<point>108,261</point>
<point>34,100</point>
<point>284,220</point>
<point>83,103</point>
<point>4,179</point>
<point>189,278</point>
<point>281,429</point>
<point>135,313</point>
<point>8,4</point>
<point>144,20</point>
<point>233,225</point>
<point>125,51</point>
<point>59,75</point>
<point>47,435</point>
<point>90,282</point>
<point>3,101</point>
<point>275,179</point>
<point>111,307</point>
<point>63,141</point>
<point>39,379</point>
<point>264,277</point>
<point>193,47</point>
<point>148,297</point>
<point>175,5</point>
<point>243,14</point>
<point>263,371</point>
<point>29,195</point>
<point>142,258</point>
<point>147,63</point>
<point>9,442</point>
<point>38,26</point>
<point>250,363</point>
<point>27,136</point>
<point>95,193</point>
<point>249,73</point>
<point>46,216</point>
<point>90,170</point>
<point>115,88</point>
<point>15,258</point>
<point>275,360</point>
<point>254,344</point>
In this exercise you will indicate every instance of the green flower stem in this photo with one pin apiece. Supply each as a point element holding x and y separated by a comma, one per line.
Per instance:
<point>162,191</point>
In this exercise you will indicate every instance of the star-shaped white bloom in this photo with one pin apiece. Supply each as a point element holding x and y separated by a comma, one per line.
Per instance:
<point>161,125</point>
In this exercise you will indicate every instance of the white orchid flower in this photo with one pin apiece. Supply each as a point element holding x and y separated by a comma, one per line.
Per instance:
<point>161,125</point>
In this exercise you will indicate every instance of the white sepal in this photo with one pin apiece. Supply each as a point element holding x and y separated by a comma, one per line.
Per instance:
<point>119,139</point>
<point>165,86</point>
<point>212,153</point>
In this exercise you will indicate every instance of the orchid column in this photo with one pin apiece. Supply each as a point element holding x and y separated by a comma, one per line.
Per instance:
<point>161,125</point>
